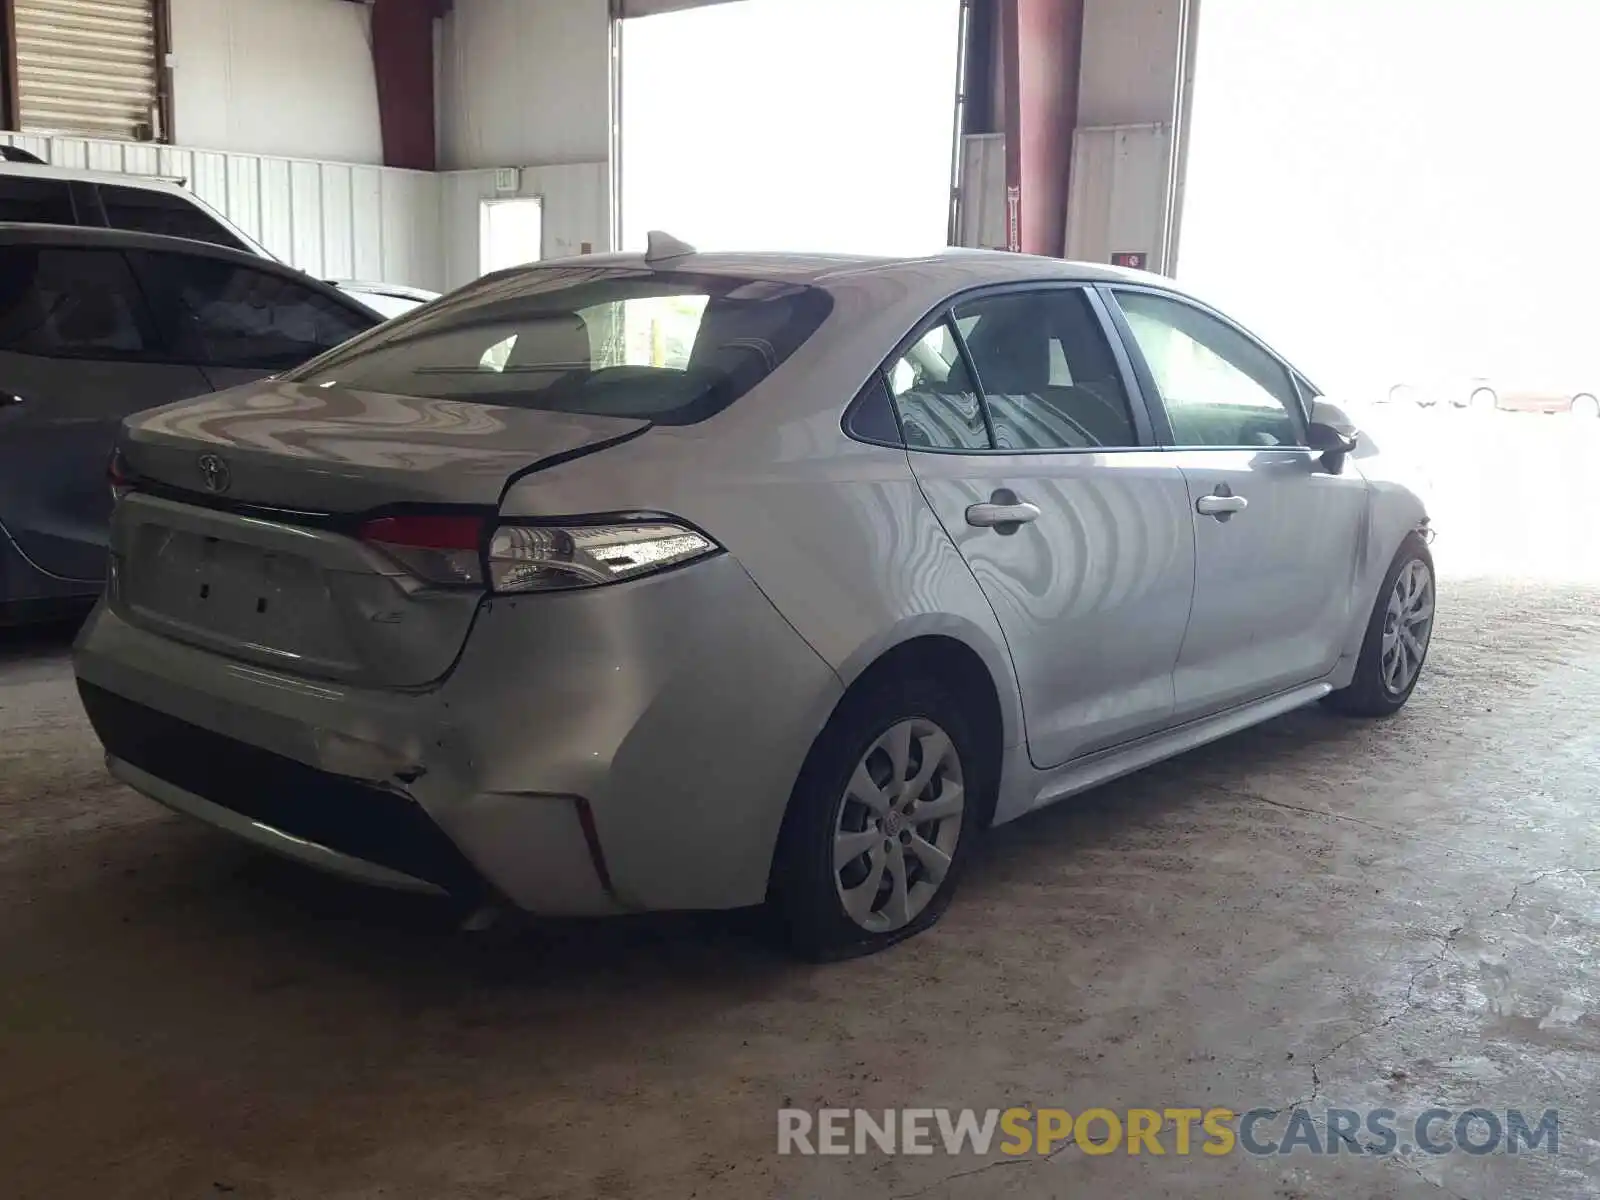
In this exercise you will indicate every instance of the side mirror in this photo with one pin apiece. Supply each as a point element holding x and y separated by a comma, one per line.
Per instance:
<point>1331,432</point>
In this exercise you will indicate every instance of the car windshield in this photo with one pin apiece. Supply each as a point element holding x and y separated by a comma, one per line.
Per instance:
<point>669,347</point>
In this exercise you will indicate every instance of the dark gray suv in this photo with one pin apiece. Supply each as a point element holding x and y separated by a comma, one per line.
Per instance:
<point>96,324</point>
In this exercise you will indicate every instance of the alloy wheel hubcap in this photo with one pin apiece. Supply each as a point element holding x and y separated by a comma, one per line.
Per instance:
<point>898,825</point>
<point>1407,626</point>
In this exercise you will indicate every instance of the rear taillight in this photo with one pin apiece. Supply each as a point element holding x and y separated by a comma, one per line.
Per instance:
<point>549,558</point>
<point>445,549</point>
<point>450,550</point>
<point>117,476</point>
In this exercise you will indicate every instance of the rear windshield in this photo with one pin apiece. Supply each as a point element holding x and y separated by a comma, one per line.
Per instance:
<point>671,348</point>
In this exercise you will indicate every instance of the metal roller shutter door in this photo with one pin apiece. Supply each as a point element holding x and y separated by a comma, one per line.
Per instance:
<point>87,67</point>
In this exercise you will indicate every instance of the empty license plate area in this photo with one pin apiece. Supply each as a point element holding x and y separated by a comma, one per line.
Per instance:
<point>233,592</point>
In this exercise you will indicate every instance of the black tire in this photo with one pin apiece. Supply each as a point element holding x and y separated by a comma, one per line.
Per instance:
<point>1368,694</point>
<point>804,897</point>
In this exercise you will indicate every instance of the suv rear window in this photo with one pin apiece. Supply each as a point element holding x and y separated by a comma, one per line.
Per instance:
<point>668,347</point>
<point>147,210</point>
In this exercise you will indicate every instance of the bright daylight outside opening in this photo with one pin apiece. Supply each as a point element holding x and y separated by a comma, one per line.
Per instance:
<point>767,126</point>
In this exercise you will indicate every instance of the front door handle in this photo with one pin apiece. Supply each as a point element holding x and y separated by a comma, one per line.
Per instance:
<point>1221,503</point>
<point>1004,512</point>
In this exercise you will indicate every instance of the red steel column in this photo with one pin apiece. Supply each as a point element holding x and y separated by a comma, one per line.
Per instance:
<point>1041,51</point>
<point>402,57</point>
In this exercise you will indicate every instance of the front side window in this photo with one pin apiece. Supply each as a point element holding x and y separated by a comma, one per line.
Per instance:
<point>625,342</point>
<point>224,314</point>
<point>70,303</point>
<point>1219,387</point>
<point>1047,371</point>
<point>935,396</point>
<point>148,210</point>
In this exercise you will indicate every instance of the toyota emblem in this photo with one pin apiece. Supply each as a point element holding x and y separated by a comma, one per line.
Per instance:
<point>214,472</point>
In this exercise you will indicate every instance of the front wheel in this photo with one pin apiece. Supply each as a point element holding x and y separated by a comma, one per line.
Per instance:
<point>881,818</point>
<point>1585,407</point>
<point>1484,399</point>
<point>1397,638</point>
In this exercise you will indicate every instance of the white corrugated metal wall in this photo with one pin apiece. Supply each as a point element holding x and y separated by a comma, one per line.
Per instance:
<point>87,66</point>
<point>334,220</point>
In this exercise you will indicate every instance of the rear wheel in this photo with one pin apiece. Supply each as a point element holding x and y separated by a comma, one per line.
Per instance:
<point>1484,399</point>
<point>1586,407</point>
<point>1397,638</point>
<point>880,821</point>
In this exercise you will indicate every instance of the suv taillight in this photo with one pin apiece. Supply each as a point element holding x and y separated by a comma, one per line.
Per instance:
<point>117,476</point>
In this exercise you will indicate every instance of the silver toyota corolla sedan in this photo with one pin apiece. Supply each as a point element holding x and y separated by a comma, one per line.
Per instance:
<point>689,580</point>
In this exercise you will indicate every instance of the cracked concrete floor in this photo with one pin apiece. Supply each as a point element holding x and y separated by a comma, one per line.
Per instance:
<point>1394,915</point>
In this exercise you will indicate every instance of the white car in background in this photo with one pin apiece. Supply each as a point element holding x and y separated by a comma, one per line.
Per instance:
<point>1469,391</point>
<point>34,193</point>
<point>388,300</point>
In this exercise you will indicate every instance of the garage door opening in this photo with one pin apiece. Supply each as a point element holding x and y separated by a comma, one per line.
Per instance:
<point>1398,197</point>
<point>734,137</point>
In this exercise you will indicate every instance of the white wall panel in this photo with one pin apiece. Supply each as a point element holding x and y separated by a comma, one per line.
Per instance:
<point>287,77</point>
<point>366,207</point>
<point>1131,53</point>
<point>334,220</point>
<point>983,191</point>
<point>523,81</point>
<point>338,226</point>
<point>1117,201</point>
<point>577,210</point>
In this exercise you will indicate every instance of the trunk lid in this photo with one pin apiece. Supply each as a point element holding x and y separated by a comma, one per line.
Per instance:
<point>329,450</point>
<point>260,558</point>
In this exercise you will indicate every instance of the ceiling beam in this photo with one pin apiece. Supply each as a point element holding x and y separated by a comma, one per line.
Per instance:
<point>402,60</point>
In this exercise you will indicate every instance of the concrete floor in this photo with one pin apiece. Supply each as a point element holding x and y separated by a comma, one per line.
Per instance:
<point>1356,915</point>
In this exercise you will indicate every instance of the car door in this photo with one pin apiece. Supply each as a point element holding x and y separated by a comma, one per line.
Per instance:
<point>1042,471</point>
<point>1277,534</point>
<point>241,321</point>
<point>78,353</point>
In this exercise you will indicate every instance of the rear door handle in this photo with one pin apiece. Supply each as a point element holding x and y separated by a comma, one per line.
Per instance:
<point>1221,503</point>
<point>1004,512</point>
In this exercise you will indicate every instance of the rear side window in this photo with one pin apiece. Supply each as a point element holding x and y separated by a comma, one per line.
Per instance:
<point>935,396</point>
<point>668,347</point>
<point>36,201</point>
<point>148,210</point>
<point>224,314</point>
<point>1047,372</point>
<point>70,303</point>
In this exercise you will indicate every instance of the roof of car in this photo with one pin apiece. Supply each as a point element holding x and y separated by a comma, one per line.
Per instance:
<point>46,171</point>
<point>955,266</point>
<point>15,232</point>
<point>100,235</point>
